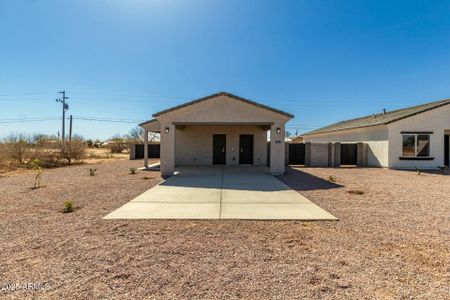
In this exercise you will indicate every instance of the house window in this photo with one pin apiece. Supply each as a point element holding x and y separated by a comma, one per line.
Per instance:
<point>415,145</point>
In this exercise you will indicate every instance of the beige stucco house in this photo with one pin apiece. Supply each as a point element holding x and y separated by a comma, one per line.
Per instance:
<point>220,129</point>
<point>407,138</point>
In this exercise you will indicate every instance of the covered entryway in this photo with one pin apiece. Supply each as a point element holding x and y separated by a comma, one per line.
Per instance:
<point>221,193</point>
<point>297,154</point>
<point>349,154</point>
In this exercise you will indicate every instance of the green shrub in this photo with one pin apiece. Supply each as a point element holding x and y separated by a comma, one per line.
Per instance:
<point>419,172</point>
<point>92,172</point>
<point>133,171</point>
<point>68,207</point>
<point>332,178</point>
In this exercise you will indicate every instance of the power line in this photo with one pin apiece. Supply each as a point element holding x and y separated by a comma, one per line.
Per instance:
<point>30,120</point>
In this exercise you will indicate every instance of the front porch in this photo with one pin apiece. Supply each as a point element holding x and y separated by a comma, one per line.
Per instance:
<point>210,144</point>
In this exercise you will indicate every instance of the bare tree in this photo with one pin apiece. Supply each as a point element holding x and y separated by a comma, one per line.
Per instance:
<point>136,135</point>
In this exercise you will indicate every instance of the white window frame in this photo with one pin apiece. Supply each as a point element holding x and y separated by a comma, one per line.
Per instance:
<point>415,144</point>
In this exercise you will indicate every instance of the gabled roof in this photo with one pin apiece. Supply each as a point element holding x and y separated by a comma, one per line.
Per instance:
<point>223,94</point>
<point>382,118</point>
<point>148,122</point>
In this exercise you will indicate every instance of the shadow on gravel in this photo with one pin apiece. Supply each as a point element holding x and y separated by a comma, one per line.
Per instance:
<point>302,181</point>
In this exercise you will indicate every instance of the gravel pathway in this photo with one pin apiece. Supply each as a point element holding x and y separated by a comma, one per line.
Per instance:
<point>392,242</point>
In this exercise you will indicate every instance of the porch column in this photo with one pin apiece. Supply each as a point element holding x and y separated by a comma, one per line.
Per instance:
<point>145,148</point>
<point>277,149</point>
<point>167,153</point>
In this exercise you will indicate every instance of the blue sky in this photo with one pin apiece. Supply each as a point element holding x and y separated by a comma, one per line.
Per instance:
<point>322,60</point>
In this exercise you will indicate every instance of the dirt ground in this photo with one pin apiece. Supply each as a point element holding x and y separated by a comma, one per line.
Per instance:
<point>392,242</point>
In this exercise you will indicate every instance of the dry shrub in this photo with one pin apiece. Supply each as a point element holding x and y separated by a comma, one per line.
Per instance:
<point>19,150</point>
<point>356,192</point>
<point>72,151</point>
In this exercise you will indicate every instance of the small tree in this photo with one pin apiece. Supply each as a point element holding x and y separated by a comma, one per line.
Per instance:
<point>17,148</point>
<point>136,135</point>
<point>35,165</point>
<point>73,150</point>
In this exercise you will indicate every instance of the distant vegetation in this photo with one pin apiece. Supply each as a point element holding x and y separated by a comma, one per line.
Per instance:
<point>23,151</point>
<point>19,150</point>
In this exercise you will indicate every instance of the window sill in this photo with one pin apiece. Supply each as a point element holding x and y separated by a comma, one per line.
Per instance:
<point>415,158</point>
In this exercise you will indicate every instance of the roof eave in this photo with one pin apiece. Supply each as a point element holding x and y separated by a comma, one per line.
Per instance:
<point>223,94</point>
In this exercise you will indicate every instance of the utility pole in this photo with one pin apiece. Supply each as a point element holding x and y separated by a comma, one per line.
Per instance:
<point>70,128</point>
<point>65,107</point>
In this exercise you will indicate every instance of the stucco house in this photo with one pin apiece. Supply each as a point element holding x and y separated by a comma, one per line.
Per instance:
<point>220,129</point>
<point>417,136</point>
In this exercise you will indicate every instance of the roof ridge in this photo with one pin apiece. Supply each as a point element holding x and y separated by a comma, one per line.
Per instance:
<point>382,118</point>
<point>223,94</point>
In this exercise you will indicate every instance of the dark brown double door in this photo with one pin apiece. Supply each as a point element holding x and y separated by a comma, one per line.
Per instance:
<point>245,149</point>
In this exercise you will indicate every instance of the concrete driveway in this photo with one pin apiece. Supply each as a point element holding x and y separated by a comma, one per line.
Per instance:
<point>221,193</point>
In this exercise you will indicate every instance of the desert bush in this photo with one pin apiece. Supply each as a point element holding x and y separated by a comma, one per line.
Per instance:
<point>45,149</point>
<point>3,157</point>
<point>332,178</point>
<point>68,207</point>
<point>356,192</point>
<point>17,148</point>
<point>73,150</point>
<point>92,172</point>
<point>419,171</point>
<point>133,171</point>
<point>35,165</point>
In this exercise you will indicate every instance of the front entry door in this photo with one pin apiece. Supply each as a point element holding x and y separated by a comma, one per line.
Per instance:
<point>349,154</point>
<point>246,149</point>
<point>447,150</point>
<point>219,149</point>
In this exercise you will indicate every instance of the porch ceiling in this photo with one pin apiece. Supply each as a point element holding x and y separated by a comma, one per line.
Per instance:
<point>207,123</point>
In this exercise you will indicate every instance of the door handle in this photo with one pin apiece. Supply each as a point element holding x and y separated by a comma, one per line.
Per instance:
<point>241,150</point>
<point>223,149</point>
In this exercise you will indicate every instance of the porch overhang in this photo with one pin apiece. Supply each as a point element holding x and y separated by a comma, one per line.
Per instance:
<point>152,126</point>
<point>264,125</point>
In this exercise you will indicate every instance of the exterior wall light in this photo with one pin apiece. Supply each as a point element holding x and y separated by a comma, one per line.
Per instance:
<point>278,130</point>
<point>167,130</point>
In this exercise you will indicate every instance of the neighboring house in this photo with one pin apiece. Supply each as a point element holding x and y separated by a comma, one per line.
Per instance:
<point>297,139</point>
<point>417,136</point>
<point>220,129</point>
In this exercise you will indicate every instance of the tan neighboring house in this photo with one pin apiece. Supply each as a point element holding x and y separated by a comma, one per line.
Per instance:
<point>407,138</point>
<point>220,129</point>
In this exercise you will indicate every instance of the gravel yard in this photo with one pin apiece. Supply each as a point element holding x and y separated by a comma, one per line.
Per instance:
<point>392,242</point>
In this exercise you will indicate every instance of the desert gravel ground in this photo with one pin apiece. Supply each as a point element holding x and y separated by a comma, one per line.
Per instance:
<point>392,242</point>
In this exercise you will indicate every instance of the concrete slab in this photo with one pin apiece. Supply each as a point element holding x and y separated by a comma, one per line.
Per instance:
<point>274,211</point>
<point>221,193</point>
<point>248,196</point>
<point>165,194</point>
<point>180,210</point>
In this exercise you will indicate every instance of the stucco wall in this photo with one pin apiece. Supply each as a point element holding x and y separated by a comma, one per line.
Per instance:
<point>437,121</point>
<point>194,144</point>
<point>375,137</point>
<point>319,155</point>
<point>226,110</point>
